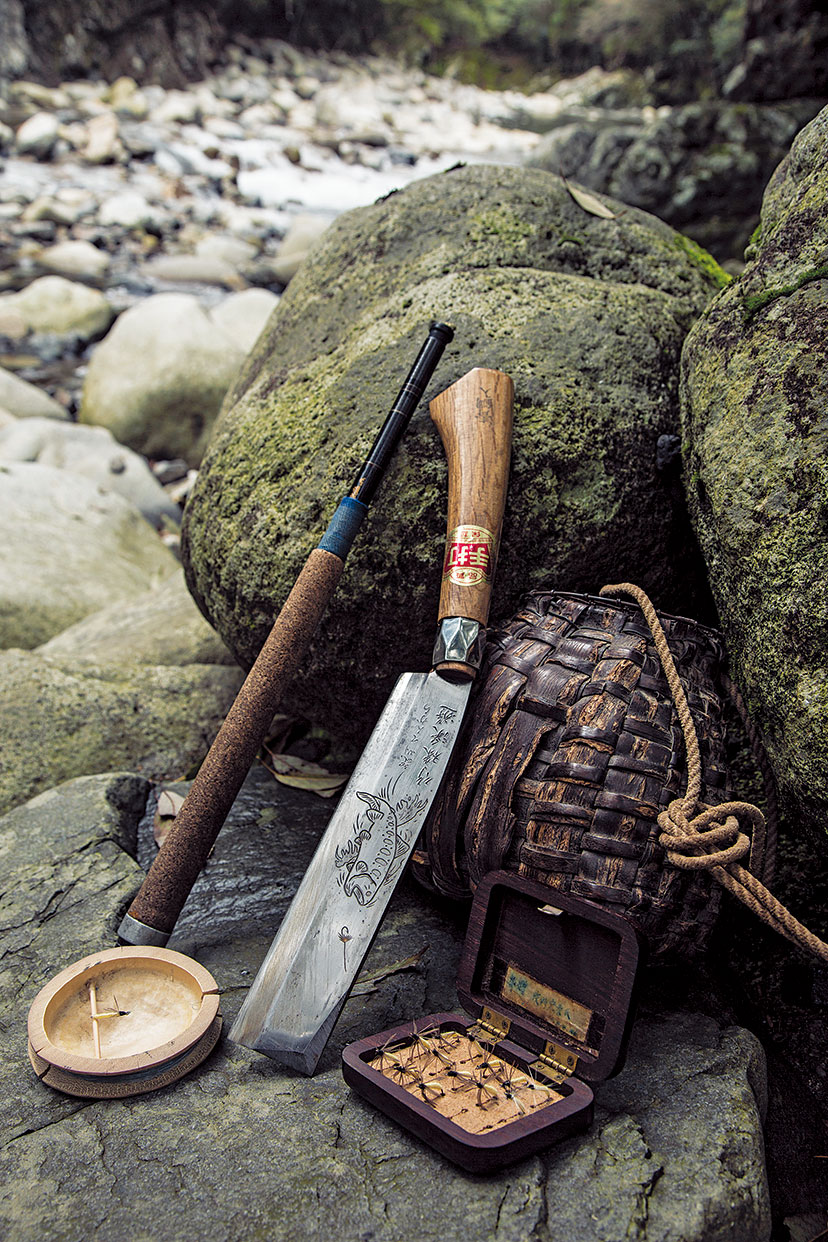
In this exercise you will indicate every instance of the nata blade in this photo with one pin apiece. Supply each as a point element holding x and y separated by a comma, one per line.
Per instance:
<point>309,969</point>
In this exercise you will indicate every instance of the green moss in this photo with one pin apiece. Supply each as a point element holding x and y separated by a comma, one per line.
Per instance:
<point>703,259</point>
<point>500,223</point>
<point>755,302</point>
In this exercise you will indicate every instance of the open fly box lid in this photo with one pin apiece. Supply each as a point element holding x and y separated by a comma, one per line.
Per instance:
<point>547,980</point>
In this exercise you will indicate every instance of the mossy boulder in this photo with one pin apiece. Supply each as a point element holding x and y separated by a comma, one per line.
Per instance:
<point>586,313</point>
<point>754,401</point>
<point>65,717</point>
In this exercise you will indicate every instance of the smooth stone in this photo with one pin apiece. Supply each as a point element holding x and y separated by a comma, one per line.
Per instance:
<point>70,549</point>
<point>23,399</point>
<point>102,143</point>
<point>161,626</point>
<point>242,316</point>
<point>303,234</point>
<point>158,379</point>
<point>65,716</point>
<point>93,453</point>
<point>176,108</point>
<point>128,209</point>
<point>12,325</point>
<point>64,307</point>
<point>193,269</point>
<point>37,95</point>
<point>76,258</point>
<point>37,136</point>
<point>127,99</point>
<point>232,250</point>
<point>58,209</point>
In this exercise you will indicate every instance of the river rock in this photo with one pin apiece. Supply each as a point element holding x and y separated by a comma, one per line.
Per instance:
<point>69,549</point>
<point>232,250</point>
<point>193,268</point>
<point>93,453</point>
<point>587,314</point>
<point>102,142</point>
<point>26,400</point>
<point>303,234</point>
<point>64,716</point>
<point>243,315</point>
<point>161,626</point>
<point>702,167</point>
<point>158,379</point>
<point>37,136</point>
<point>75,258</point>
<point>754,396</point>
<point>63,307</point>
<point>129,210</point>
<point>127,99</point>
<point>181,107</point>
<point>675,1150</point>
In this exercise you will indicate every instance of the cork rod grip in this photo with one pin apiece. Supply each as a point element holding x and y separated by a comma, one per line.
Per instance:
<point>221,775</point>
<point>474,419</point>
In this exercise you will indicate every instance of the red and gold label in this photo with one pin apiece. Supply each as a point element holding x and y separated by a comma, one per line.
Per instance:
<point>470,553</point>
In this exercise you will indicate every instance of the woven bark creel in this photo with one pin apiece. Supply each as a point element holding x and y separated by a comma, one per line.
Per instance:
<point>571,749</point>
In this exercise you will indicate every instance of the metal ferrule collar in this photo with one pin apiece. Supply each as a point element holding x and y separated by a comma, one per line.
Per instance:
<point>137,933</point>
<point>459,640</point>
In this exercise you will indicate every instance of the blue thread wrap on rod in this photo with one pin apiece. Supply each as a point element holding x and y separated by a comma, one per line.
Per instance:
<point>343,527</point>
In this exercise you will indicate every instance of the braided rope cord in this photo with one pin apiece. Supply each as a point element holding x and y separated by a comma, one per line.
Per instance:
<point>698,836</point>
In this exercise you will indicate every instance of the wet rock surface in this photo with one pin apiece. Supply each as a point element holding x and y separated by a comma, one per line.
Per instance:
<point>244,1148</point>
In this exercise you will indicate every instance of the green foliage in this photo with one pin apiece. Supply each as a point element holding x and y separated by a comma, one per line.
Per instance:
<point>485,39</point>
<point>638,33</point>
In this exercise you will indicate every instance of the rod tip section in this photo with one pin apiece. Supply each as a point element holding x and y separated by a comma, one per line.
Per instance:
<point>443,331</point>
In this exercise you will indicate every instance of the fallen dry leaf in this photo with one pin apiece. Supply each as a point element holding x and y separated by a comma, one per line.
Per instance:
<point>366,984</point>
<point>589,202</point>
<point>302,774</point>
<point>169,804</point>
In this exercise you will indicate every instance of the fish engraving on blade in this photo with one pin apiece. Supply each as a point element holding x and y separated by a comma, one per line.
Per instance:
<point>379,847</point>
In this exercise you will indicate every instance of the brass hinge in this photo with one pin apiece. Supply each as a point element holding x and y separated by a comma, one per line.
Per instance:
<point>555,1063</point>
<point>491,1026</point>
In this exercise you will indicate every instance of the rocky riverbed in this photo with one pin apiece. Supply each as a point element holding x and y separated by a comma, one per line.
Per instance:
<point>147,236</point>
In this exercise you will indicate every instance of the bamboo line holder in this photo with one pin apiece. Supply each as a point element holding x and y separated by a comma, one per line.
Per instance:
<point>123,1022</point>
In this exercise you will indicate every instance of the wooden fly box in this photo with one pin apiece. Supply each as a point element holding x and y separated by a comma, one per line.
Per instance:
<point>547,980</point>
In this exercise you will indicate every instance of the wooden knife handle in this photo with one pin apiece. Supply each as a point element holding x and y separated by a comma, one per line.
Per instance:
<point>474,419</point>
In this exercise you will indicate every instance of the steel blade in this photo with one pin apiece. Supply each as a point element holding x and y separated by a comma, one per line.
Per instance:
<point>322,942</point>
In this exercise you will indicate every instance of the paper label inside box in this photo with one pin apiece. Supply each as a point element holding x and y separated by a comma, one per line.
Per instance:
<point>546,1003</point>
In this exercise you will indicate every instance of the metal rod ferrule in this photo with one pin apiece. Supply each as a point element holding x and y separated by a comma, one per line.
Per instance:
<point>133,932</point>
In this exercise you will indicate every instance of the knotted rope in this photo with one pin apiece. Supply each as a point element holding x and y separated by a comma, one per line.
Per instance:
<point>715,838</point>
